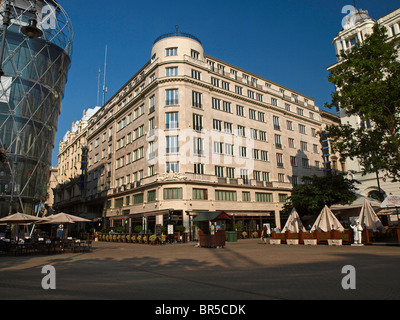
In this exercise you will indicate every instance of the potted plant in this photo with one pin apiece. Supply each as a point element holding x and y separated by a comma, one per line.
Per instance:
<point>133,238</point>
<point>162,238</point>
<point>244,234</point>
<point>145,239</point>
<point>153,239</point>
<point>139,238</point>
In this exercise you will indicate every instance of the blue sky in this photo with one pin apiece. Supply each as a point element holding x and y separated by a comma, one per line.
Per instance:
<point>285,41</point>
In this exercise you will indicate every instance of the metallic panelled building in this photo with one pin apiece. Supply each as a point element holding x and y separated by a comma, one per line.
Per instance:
<point>31,91</point>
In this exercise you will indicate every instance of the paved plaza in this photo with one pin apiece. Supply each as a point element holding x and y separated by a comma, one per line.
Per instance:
<point>243,270</point>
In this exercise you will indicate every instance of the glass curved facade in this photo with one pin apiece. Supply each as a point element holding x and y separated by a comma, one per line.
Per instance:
<point>31,91</point>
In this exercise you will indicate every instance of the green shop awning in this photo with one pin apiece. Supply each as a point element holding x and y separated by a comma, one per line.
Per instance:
<point>211,216</point>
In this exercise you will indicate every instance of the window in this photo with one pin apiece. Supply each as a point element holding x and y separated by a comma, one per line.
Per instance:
<point>282,197</point>
<point>252,114</point>
<point>196,99</point>
<point>242,152</point>
<point>171,97</point>
<point>171,71</point>
<point>216,103</point>
<point>196,74</point>
<point>263,136</point>
<point>244,174</point>
<point>198,146</point>
<point>217,125</point>
<point>263,197</point>
<point>303,145</point>
<point>246,196</point>
<point>289,125</point>
<point>238,90</point>
<point>265,176</point>
<point>281,177</point>
<point>215,81</point>
<point>274,101</point>
<point>227,106</point>
<point>172,120</point>
<point>257,175</point>
<point>300,111</point>
<point>199,168</point>
<point>228,127</point>
<point>305,163</point>
<point>224,195</point>
<point>152,104</point>
<point>250,94</point>
<point>230,173</point>
<point>302,128</point>
<point>241,131</point>
<point>278,143</point>
<point>219,171</point>
<point>172,193</point>
<point>291,143</point>
<point>218,147</point>
<point>293,161</point>
<point>256,154</point>
<point>137,198</point>
<point>240,110</point>
<point>197,122</point>
<point>151,196</point>
<point>276,123</point>
<point>194,54</point>
<point>171,52</point>
<point>261,116</point>
<point>172,144</point>
<point>228,149</point>
<point>200,194</point>
<point>254,133</point>
<point>287,106</point>
<point>264,155</point>
<point>225,85</point>
<point>279,160</point>
<point>172,166</point>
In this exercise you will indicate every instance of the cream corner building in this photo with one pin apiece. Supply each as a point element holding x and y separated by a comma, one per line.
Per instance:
<point>358,26</point>
<point>190,133</point>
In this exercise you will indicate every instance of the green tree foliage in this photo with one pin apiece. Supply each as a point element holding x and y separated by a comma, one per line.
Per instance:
<point>316,192</point>
<point>368,85</point>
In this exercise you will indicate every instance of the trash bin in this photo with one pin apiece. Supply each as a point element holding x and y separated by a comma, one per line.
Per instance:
<point>231,236</point>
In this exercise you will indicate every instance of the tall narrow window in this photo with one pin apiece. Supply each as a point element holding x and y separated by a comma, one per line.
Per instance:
<point>196,99</point>
<point>172,120</point>
<point>171,97</point>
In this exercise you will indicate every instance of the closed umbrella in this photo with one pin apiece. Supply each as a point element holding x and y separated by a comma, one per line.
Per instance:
<point>326,221</point>
<point>368,218</point>
<point>293,223</point>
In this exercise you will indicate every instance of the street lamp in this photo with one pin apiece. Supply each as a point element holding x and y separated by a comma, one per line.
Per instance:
<point>31,30</point>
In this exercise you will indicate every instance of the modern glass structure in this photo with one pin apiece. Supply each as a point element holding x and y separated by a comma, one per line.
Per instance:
<point>31,91</point>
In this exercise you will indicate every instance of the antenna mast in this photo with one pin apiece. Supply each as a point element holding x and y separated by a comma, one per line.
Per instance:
<point>104,81</point>
<point>98,88</point>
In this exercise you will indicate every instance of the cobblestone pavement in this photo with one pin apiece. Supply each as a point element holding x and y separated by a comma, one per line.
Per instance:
<point>243,270</point>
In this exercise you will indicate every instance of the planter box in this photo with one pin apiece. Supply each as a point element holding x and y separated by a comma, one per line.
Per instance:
<point>292,241</point>
<point>335,242</point>
<point>274,241</point>
<point>310,242</point>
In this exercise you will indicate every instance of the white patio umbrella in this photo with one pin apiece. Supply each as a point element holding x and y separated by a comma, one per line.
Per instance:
<point>293,223</point>
<point>368,218</point>
<point>21,218</point>
<point>64,218</point>
<point>326,221</point>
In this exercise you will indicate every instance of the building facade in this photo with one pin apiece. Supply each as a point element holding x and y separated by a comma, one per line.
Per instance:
<point>31,90</point>
<point>358,26</point>
<point>190,133</point>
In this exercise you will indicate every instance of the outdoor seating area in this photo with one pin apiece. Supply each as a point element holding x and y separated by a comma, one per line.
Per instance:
<point>35,243</point>
<point>328,230</point>
<point>29,246</point>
